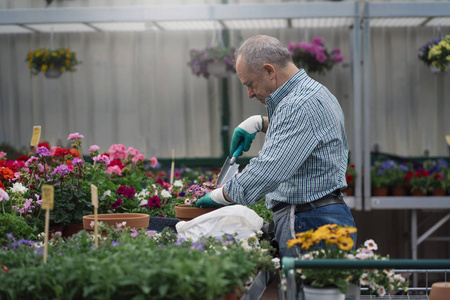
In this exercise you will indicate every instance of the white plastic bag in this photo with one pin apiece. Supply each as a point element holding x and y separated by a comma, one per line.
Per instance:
<point>228,219</point>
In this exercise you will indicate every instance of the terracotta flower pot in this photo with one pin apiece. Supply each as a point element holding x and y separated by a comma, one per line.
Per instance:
<point>349,191</point>
<point>186,213</point>
<point>396,191</point>
<point>380,192</point>
<point>440,291</point>
<point>438,192</point>
<point>418,193</point>
<point>133,220</point>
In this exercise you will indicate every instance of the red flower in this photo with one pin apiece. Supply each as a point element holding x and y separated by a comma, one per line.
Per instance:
<point>154,201</point>
<point>117,204</point>
<point>438,176</point>
<point>352,166</point>
<point>349,178</point>
<point>116,162</point>
<point>60,152</point>
<point>23,158</point>
<point>46,145</point>
<point>408,175</point>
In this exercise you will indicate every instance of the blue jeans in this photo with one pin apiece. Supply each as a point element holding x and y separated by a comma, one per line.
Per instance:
<point>287,223</point>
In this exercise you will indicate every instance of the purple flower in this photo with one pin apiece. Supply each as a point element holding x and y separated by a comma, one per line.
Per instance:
<point>114,243</point>
<point>61,170</point>
<point>117,204</point>
<point>93,148</point>
<point>129,192</point>
<point>197,246</point>
<point>43,151</point>
<point>10,236</point>
<point>76,161</point>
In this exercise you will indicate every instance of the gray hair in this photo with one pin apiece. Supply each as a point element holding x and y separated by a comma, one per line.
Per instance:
<point>261,49</point>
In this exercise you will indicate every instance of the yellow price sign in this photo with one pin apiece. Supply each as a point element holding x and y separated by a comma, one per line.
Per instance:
<point>447,137</point>
<point>47,196</point>
<point>94,196</point>
<point>36,136</point>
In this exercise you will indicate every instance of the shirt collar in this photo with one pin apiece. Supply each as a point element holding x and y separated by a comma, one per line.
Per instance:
<point>275,98</point>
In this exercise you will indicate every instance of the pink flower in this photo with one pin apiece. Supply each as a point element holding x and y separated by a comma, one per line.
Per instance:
<point>3,195</point>
<point>102,158</point>
<point>133,151</point>
<point>317,40</point>
<point>154,161</point>
<point>75,135</point>
<point>138,158</point>
<point>118,151</point>
<point>2,154</point>
<point>93,148</point>
<point>114,169</point>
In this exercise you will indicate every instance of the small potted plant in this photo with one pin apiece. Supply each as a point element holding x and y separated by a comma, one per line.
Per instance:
<point>417,182</point>
<point>435,54</point>
<point>216,61</point>
<point>350,177</point>
<point>314,57</point>
<point>52,62</point>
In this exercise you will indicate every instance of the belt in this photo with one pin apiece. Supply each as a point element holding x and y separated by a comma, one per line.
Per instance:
<point>333,198</point>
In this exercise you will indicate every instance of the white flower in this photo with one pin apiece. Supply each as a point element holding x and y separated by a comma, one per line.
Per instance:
<point>371,245</point>
<point>18,188</point>
<point>166,194</point>
<point>178,183</point>
<point>107,193</point>
<point>381,291</point>
<point>245,245</point>
<point>143,202</point>
<point>364,279</point>
<point>276,263</point>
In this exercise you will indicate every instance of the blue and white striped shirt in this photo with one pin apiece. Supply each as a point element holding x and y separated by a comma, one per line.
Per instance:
<point>305,152</point>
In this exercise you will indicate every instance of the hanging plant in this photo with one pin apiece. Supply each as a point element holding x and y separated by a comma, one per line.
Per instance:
<point>212,61</point>
<point>52,61</point>
<point>436,54</point>
<point>314,57</point>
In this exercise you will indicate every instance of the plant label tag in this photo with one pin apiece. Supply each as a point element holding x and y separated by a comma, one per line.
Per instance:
<point>94,196</point>
<point>447,137</point>
<point>47,196</point>
<point>36,136</point>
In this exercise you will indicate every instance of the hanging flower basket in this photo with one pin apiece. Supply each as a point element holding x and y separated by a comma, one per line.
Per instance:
<point>314,57</point>
<point>52,62</point>
<point>217,61</point>
<point>435,54</point>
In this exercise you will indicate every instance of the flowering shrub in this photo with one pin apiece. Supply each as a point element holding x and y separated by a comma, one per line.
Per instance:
<point>389,174</point>
<point>314,57</point>
<point>417,180</point>
<point>42,59</point>
<point>334,242</point>
<point>436,53</point>
<point>200,59</point>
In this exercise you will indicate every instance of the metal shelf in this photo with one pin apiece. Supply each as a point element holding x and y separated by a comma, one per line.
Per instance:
<point>411,202</point>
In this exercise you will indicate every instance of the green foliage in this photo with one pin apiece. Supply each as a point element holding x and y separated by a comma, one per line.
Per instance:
<point>17,226</point>
<point>147,266</point>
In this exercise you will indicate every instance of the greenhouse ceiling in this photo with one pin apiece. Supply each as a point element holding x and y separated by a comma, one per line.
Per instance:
<point>213,17</point>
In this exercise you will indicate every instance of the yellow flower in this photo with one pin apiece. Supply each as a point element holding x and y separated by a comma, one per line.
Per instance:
<point>68,55</point>
<point>44,68</point>
<point>345,243</point>
<point>54,54</point>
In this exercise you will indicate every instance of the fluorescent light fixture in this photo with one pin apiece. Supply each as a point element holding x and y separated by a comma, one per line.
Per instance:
<point>396,22</point>
<point>442,21</point>
<point>120,26</point>
<point>256,23</point>
<point>4,29</point>
<point>61,27</point>
<point>190,25</point>
<point>321,22</point>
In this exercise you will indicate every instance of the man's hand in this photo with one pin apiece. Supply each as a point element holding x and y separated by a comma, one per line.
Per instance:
<point>214,198</point>
<point>246,132</point>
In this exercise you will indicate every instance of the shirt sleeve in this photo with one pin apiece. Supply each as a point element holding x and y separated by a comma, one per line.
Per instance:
<point>290,139</point>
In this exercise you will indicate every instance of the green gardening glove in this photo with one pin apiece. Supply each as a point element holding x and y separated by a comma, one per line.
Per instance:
<point>246,132</point>
<point>214,198</point>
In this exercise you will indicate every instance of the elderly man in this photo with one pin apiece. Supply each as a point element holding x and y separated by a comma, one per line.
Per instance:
<point>301,166</point>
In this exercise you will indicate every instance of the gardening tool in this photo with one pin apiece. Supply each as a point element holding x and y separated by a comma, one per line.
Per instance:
<point>230,166</point>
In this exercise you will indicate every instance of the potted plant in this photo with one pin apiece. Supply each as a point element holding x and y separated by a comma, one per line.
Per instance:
<point>52,62</point>
<point>350,177</point>
<point>314,57</point>
<point>393,176</point>
<point>216,61</point>
<point>380,179</point>
<point>417,181</point>
<point>332,241</point>
<point>435,54</point>
<point>437,185</point>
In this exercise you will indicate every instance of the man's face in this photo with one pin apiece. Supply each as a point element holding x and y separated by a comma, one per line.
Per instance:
<point>258,85</point>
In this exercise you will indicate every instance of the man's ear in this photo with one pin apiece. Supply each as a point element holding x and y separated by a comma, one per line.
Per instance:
<point>269,69</point>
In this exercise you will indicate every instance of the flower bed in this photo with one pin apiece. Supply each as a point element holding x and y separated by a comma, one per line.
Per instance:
<point>126,183</point>
<point>130,263</point>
